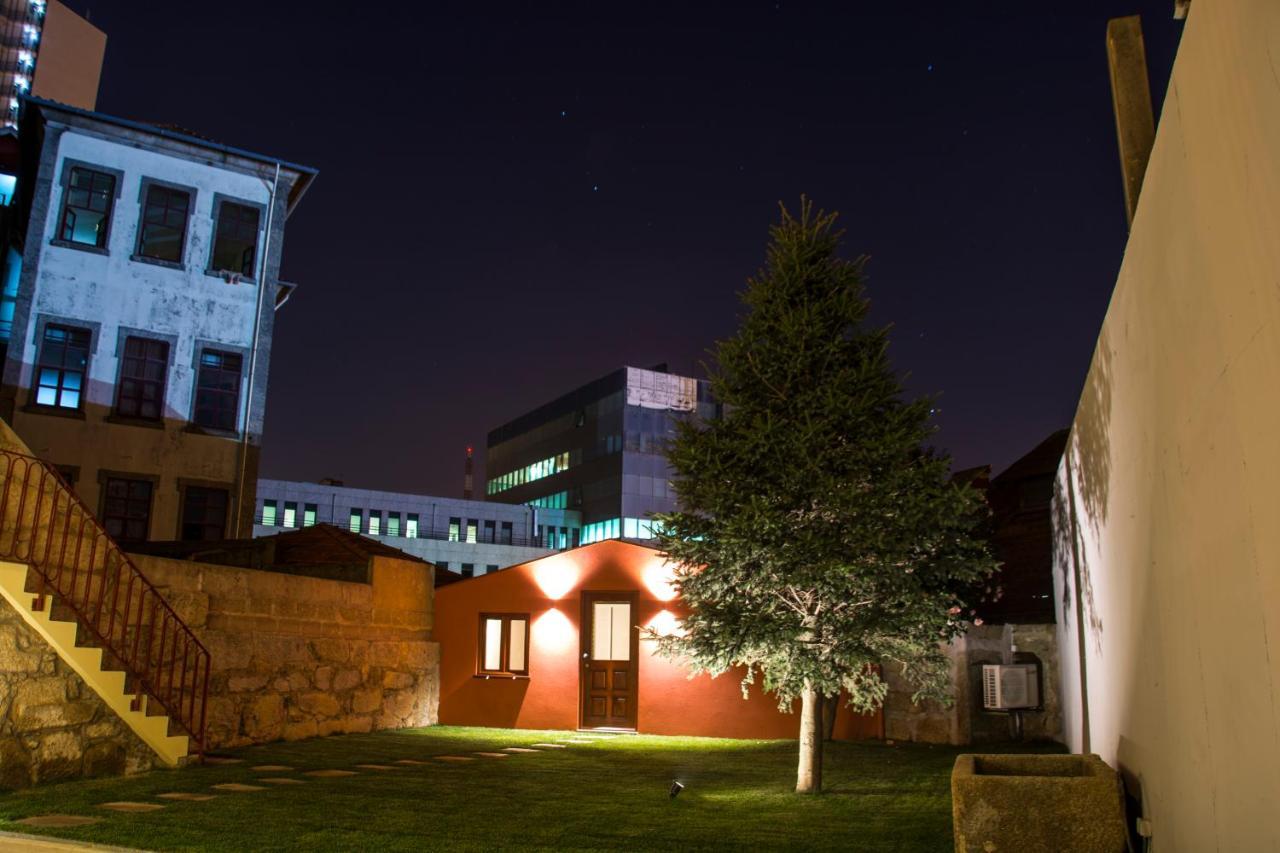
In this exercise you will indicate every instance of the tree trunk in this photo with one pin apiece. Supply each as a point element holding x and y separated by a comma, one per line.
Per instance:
<point>809,775</point>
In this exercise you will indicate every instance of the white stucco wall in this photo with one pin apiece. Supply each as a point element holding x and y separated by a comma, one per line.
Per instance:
<point>1168,492</point>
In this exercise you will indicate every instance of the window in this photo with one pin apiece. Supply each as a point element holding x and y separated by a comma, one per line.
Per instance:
<point>63,363</point>
<point>218,390</point>
<point>393,524</point>
<point>163,230</point>
<point>204,514</point>
<point>375,522</point>
<point>490,568</point>
<point>442,565</point>
<point>357,520</point>
<point>140,393</point>
<point>472,526</point>
<point>505,537</point>
<point>235,239</point>
<point>86,207</point>
<point>308,515</point>
<point>411,526</point>
<point>504,644</point>
<point>489,527</point>
<point>269,513</point>
<point>468,570</point>
<point>455,526</point>
<point>126,509</point>
<point>290,514</point>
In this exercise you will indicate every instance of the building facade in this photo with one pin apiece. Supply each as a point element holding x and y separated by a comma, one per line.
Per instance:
<point>48,51</point>
<point>467,537</point>
<point>599,450</point>
<point>145,278</point>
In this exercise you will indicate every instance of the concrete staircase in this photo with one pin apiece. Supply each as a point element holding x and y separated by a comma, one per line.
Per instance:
<point>73,585</point>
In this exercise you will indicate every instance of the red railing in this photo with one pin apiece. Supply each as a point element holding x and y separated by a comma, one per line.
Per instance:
<point>44,524</point>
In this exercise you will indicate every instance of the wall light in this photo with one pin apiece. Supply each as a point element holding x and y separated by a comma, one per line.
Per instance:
<point>659,578</point>
<point>556,575</point>
<point>676,788</point>
<point>553,632</point>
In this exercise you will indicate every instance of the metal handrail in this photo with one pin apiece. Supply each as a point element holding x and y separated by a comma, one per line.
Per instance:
<point>44,524</point>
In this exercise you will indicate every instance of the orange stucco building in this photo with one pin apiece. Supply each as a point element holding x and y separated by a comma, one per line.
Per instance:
<point>556,644</point>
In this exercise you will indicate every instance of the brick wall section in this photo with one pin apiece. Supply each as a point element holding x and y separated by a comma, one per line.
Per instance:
<point>296,657</point>
<point>52,725</point>
<point>964,722</point>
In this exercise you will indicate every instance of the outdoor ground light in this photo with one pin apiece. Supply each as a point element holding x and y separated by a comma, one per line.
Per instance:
<point>676,788</point>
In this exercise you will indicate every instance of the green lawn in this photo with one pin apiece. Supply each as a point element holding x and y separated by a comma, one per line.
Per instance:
<point>610,794</point>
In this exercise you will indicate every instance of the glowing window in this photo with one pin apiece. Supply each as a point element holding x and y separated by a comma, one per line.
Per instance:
<point>393,524</point>
<point>411,526</point>
<point>611,630</point>
<point>63,363</point>
<point>86,207</point>
<point>504,644</point>
<point>455,528</point>
<point>308,515</point>
<point>357,520</point>
<point>472,526</point>
<point>290,514</point>
<point>269,513</point>
<point>375,522</point>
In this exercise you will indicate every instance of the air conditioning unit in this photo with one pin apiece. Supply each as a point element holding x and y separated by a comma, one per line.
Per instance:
<point>1010,687</point>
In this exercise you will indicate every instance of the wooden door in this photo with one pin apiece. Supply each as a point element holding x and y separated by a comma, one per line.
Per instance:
<point>610,648</point>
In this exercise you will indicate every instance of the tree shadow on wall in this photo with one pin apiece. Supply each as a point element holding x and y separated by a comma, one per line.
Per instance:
<point>1087,490</point>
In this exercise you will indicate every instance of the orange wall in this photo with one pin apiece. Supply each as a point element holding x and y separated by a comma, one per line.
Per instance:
<point>549,591</point>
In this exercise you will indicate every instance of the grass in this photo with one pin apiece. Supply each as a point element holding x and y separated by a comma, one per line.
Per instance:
<point>610,794</point>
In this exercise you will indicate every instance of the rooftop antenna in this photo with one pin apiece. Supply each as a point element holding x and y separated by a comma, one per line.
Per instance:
<point>467,477</point>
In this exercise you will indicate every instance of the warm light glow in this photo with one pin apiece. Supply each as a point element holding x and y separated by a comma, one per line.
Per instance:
<point>659,577</point>
<point>665,624</point>
<point>553,632</point>
<point>555,576</point>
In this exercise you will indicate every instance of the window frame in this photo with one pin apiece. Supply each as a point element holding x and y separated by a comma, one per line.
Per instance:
<point>121,355</point>
<point>144,189</point>
<point>504,657</point>
<point>274,506</point>
<point>105,478</point>
<point>208,346</point>
<point>42,329</point>
<point>259,237</point>
<point>184,490</point>
<point>67,166</point>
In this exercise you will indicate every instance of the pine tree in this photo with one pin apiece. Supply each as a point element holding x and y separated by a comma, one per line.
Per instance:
<point>819,539</point>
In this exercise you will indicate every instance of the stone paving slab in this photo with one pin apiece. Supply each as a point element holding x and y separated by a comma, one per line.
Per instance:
<point>493,754</point>
<point>413,761</point>
<point>58,821</point>
<point>131,807</point>
<point>282,780</point>
<point>330,774</point>
<point>519,749</point>
<point>237,787</point>
<point>454,758</point>
<point>271,768</point>
<point>550,746</point>
<point>187,796</point>
<point>16,842</point>
<point>378,767</point>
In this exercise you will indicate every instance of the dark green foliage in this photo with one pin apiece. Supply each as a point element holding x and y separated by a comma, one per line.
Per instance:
<point>819,537</point>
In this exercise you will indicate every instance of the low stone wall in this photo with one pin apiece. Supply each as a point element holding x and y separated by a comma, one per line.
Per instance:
<point>964,722</point>
<point>295,657</point>
<point>52,725</point>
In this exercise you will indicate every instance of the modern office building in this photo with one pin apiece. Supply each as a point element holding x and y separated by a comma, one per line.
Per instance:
<point>465,536</point>
<point>599,450</point>
<point>48,51</point>
<point>141,285</point>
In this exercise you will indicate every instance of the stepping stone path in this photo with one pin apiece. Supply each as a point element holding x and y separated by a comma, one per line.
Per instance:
<point>330,774</point>
<point>412,761</point>
<point>124,806</point>
<point>221,759</point>
<point>282,781</point>
<point>58,821</point>
<point>271,768</point>
<point>377,767</point>
<point>454,758</point>
<point>519,749</point>
<point>187,796</point>
<point>550,746</point>
<point>493,754</point>
<point>237,787</point>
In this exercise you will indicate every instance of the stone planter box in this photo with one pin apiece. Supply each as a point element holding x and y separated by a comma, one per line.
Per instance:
<point>1032,803</point>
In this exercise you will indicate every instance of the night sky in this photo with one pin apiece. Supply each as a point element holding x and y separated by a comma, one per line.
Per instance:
<point>515,200</point>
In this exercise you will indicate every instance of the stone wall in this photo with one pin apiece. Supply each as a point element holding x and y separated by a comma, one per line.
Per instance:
<point>964,722</point>
<point>52,725</point>
<point>295,657</point>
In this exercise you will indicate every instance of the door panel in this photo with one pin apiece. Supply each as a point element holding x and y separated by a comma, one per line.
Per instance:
<point>610,643</point>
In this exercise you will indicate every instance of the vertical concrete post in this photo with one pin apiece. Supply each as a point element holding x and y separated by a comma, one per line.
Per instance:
<point>1131,98</point>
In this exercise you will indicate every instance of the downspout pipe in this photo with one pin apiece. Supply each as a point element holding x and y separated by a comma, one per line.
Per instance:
<point>253,352</point>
